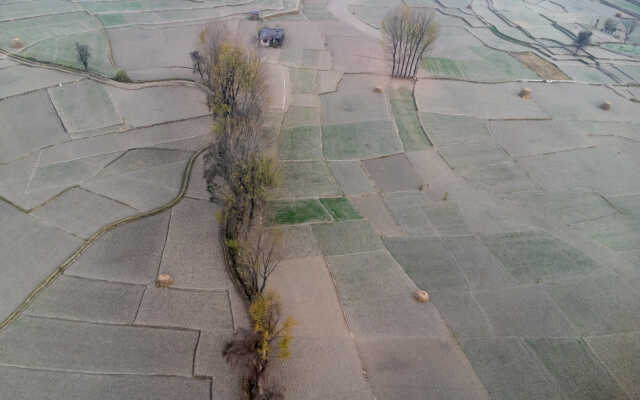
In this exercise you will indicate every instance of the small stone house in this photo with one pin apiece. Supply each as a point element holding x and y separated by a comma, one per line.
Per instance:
<point>271,37</point>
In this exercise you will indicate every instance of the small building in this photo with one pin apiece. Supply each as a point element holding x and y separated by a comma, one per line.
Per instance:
<point>271,37</point>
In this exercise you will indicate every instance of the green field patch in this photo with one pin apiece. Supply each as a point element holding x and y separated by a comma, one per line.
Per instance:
<point>168,11</point>
<point>447,220</point>
<point>504,177</point>
<point>411,133</point>
<point>306,58</point>
<point>25,9</point>
<point>444,67</point>
<point>629,6</point>
<point>586,74</point>
<point>317,11</point>
<point>402,101</point>
<point>535,256</point>
<point>340,208</point>
<point>302,116</point>
<point>626,49</point>
<point>409,211</point>
<point>572,364</point>
<point>33,30</point>
<point>353,106</point>
<point>484,64</point>
<point>359,140</point>
<point>426,261</point>
<point>62,50</point>
<point>296,212</point>
<point>301,143</point>
<point>53,39</point>
<point>506,368</point>
<point>620,232</point>
<point>405,113</point>
<point>96,7</point>
<point>346,237</point>
<point>303,80</point>
<point>112,19</point>
<point>370,15</point>
<point>614,309</point>
<point>448,129</point>
<point>75,101</point>
<point>306,179</point>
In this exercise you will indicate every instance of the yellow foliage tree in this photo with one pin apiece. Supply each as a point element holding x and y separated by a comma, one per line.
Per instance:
<point>265,313</point>
<point>252,349</point>
<point>233,74</point>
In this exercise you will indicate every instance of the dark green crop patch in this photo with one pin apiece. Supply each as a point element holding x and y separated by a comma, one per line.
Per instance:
<point>340,208</point>
<point>296,212</point>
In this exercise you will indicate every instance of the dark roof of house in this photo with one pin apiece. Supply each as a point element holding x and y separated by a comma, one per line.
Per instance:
<point>271,33</point>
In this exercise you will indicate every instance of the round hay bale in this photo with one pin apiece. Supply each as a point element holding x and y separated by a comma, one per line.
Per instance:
<point>378,89</point>
<point>164,281</point>
<point>605,106</point>
<point>525,93</point>
<point>17,43</point>
<point>422,296</point>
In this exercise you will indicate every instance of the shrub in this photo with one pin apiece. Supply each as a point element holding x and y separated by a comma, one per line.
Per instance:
<point>610,25</point>
<point>122,76</point>
<point>410,33</point>
<point>83,53</point>
<point>583,39</point>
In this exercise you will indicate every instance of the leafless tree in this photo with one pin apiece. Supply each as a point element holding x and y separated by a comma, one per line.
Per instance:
<point>237,140</point>
<point>207,50</point>
<point>237,156</point>
<point>410,33</point>
<point>260,255</point>
<point>629,27</point>
<point>84,53</point>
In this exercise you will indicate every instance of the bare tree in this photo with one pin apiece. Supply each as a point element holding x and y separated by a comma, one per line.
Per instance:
<point>237,140</point>
<point>234,75</point>
<point>410,33</point>
<point>238,93</point>
<point>207,51</point>
<point>83,54</point>
<point>260,255</point>
<point>629,27</point>
<point>236,156</point>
